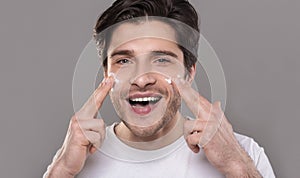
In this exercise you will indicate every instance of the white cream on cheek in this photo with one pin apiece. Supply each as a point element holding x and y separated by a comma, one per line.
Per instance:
<point>117,81</point>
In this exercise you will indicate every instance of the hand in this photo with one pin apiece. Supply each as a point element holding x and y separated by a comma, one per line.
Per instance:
<point>212,132</point>
<point>85,135</point>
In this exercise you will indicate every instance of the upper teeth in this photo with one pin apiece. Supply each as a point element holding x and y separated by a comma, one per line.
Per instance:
<point>145,99</point>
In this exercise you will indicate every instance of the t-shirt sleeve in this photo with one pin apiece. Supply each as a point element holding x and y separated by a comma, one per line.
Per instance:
<point>257,154</point>
<point>263,165</point>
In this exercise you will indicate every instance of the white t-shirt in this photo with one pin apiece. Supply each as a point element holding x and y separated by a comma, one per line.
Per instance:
<point>117,160</point>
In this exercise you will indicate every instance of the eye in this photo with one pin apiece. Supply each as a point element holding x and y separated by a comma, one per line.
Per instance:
<point>162,60</point>
<point>123,61</point>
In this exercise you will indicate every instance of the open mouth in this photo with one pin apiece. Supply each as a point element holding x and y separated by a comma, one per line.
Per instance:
<point>144,101</point>
<point>143,105</point>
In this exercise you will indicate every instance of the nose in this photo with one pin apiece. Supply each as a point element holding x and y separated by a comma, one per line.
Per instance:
<point>144,80</point>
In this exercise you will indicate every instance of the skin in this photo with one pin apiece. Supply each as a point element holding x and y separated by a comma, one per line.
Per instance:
<point>210,130</point>
<point>85,135</point>
<point>139,48</point>
<point>131,129</point>
<point>214,134</point>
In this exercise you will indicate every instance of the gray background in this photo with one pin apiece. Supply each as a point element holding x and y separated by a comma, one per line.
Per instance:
<point>257,42</point>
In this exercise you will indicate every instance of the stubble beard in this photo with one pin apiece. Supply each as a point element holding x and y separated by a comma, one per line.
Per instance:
<point>149,131</point>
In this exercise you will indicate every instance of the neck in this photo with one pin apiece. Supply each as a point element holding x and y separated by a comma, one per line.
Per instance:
<point>165,136</point>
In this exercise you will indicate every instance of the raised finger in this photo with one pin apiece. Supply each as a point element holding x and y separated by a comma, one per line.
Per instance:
<point>199,105</point>
<point>93,104</point>
<point>92,124</point>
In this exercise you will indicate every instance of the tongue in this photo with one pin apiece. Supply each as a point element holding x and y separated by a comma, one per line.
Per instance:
<point>141,110</point>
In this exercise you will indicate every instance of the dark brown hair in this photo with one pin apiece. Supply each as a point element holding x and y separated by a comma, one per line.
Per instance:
<point>178,10</point>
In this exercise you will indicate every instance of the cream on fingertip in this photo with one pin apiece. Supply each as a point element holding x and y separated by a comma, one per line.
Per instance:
<point>168,80</point>
<point>114,76</point>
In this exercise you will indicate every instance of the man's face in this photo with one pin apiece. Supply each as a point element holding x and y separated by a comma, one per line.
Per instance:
<point>143,58</point>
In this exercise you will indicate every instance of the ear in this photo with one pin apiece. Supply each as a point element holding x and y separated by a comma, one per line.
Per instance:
<point>191,77</point>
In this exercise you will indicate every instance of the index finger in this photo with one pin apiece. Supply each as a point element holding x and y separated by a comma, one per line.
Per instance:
<point>93,104</point>
<point>199,105</point>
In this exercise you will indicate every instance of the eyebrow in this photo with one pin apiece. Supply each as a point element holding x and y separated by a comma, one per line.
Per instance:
<point>163,52</point>
<point>122,52</point>
<point>152,53</point>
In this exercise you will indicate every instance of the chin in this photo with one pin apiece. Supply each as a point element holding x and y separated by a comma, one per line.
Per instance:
<point>146,131</point>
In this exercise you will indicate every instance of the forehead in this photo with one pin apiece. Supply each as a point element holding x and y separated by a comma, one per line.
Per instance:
<point>130,32</point>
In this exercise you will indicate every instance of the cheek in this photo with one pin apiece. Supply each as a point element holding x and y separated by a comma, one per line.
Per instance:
<point>175,92</point>
<point>112,69</point>
<point>170,91</point>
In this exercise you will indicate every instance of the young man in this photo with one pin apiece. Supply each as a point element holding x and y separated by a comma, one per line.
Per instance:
<point>142,52</point>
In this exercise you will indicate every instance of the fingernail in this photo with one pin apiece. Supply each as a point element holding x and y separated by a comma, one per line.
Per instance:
<point>111,74</point>
<point>108,81</point>
<point>104,80</point>
<point>114,76</point>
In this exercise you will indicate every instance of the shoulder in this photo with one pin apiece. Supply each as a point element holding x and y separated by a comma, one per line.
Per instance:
<point>250,146</point>
<point>257,154</point>
<point>246,141</point>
